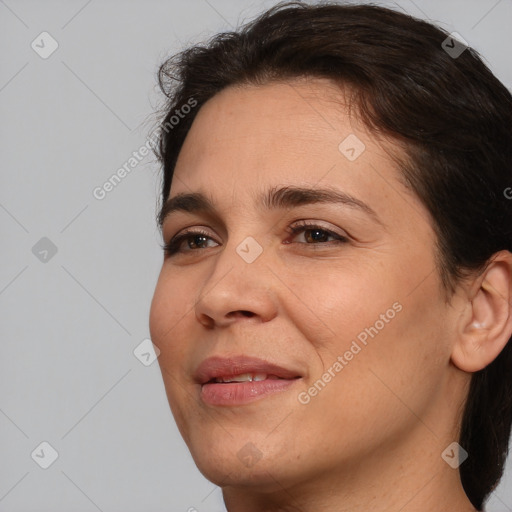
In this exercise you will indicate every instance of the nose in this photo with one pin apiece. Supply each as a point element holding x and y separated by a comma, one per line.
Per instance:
<point>237,290</point>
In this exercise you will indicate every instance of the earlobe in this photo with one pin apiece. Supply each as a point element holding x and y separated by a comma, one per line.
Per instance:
<point>485,326</point>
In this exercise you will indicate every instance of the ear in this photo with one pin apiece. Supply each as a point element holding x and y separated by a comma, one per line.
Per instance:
<point>485,325</point>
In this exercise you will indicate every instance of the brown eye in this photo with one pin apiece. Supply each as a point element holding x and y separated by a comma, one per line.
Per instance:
<point>194,239</point>
<point>315,234</point>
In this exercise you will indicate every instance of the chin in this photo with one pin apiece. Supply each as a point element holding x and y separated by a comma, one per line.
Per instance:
<point>261,476</point>
<point>239,462</point>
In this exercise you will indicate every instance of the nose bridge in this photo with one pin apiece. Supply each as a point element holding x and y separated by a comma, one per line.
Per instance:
<point>244,247</point>
<point>243,259</point>
<point>238,281</point>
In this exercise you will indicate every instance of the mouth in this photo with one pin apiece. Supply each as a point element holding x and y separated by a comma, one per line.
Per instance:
<point>240,380</point>
<point>245,377</point>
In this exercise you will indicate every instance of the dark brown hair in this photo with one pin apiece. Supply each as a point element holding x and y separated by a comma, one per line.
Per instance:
<point>452,115</point>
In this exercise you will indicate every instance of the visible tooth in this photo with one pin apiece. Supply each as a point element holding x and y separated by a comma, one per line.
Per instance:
<point>244,377</point>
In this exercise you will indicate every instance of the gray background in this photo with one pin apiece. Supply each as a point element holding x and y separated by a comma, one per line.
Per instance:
<point>70,323</point>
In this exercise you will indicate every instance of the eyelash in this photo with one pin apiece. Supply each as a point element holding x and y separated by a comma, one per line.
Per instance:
<point>172,247</point>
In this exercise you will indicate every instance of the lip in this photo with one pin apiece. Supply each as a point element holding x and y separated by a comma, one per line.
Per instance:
<point>239,393</point>
<point>217,366</point>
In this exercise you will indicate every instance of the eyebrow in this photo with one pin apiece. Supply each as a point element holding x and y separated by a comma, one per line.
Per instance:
<point>275,198</point>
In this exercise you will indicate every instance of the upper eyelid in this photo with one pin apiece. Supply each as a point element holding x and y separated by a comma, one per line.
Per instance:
<point>189,230</point>
<point>305,224</point>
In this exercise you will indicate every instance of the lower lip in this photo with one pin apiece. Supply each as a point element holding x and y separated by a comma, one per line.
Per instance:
<point>239,393</point>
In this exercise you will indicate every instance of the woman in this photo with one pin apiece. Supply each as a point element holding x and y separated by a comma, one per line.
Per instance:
<point>334,307</point>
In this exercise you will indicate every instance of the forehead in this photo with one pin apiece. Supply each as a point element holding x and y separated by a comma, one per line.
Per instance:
<point>287,130</point>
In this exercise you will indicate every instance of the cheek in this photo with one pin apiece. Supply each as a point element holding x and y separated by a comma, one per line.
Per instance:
<point>167,321</point>
<point>169,310</point>
<point>336,302</point>
<point>162,311</point>
<point>388,334</point>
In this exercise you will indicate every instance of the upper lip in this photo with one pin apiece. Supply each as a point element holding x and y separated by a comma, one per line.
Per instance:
<point>218,367</point>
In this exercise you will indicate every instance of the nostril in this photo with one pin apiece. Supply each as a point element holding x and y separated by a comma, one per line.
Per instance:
<point>242,313</point>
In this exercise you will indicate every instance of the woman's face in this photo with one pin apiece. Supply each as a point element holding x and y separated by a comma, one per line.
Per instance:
<point>350,309</point>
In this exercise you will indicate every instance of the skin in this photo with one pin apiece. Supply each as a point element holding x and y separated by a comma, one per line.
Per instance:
<point>372,438</point>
